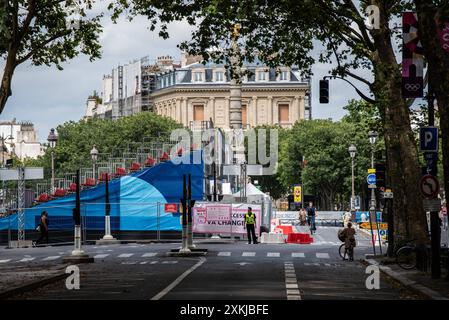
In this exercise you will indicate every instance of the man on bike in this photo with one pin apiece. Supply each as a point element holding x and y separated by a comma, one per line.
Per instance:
<point>311,214</point>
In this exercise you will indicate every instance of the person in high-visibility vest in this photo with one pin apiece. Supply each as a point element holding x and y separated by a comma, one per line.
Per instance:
<point>250,222</point>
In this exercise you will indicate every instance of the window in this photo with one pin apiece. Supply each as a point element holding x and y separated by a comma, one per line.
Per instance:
<point>219,76</point>
<point>198,113</point>
<point>283,113</point>
<point>284,76</point>
<point>262,76</point>
<point>198,77</point>
<point>244,115</point>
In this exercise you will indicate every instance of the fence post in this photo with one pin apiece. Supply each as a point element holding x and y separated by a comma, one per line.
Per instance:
<point>158,222</point>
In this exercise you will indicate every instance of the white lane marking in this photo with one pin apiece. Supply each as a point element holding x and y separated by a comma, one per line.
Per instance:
<point>178,280</point>
<point>298,255</point>
<point>154,262</point>
<point>149,254</point>
<point>273,254</point>
<point>291,283</point>
<point>51,258</point>
<point>144,262</point>
<point>26,259</point>
<point>327,264</point>
<point>248,254</point>
<point>129,262</point>
<point>322,255</point>
<point>5,261</point>
<point>101,256</point>
<point>224,254</point>
<point>125,255</point>
<point>169,262</point>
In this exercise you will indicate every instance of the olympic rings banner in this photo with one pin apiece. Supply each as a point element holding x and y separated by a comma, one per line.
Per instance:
<point>210,217</point>
<point>412,58</point>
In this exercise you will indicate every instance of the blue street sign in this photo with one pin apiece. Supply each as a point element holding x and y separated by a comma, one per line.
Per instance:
<point>428,138</point>
<point>371,179</point>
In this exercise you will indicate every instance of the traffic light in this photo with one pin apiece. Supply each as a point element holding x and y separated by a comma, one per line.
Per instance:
<point>380,175</point>
<point>324,91</point>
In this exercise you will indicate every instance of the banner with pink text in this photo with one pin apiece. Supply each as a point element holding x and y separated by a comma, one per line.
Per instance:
<point>223,218</point>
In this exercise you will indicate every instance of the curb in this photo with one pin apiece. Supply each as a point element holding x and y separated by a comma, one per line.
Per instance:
<point>32,286</point>
<point>407,282</point>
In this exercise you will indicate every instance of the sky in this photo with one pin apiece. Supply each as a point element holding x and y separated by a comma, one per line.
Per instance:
<point>48,97</point>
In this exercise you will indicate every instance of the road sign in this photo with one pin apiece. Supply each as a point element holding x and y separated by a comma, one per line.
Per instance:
<point>429,186</point>
<point>297,190</point>
<point>432,205</point>
<point>428,137</point>
<point>371,179</point>
<point>171,207</point>
<point>371,170</point>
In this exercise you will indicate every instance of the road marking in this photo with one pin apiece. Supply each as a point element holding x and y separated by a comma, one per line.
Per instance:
<point>169,262</point>
<point>322,255</point>
<point>27,259</point>
<point>273,254</point>
<point>149,254</point>
<point>291,286</point>
<point>51,258</point>
<point>224,254</point>
<point>144,262</point>
<point>101,256</point>
<point>125,255</point>
<point>248,254</point>
<point>298,255</point>
<point>154,262</point>
<point>129,262</point>
<point>290,280</point>
<point>178,280</point>
<point>327,264</point>
<point>5,261</point>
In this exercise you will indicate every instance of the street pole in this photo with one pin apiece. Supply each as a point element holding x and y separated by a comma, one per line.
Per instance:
<point>353,189</point>
<point>52,172</point>
<point>435,230</point>
<point>372,204</point>
<point>77,250</point>
<point>184,247</point>
<point>107,233</point>
<point>190,244</point>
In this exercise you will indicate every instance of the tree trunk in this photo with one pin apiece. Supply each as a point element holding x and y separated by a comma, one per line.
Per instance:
<point>438,60</point>
<point>5,88</point>
<point>402,156</point>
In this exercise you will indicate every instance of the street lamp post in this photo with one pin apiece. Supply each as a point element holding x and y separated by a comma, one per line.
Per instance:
<point>52,139</point>
<point>94,156</point>
<point>352,151</point>
<point>372,135</point>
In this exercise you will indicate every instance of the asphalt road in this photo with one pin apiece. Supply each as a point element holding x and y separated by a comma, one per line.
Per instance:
<point>229,271</point>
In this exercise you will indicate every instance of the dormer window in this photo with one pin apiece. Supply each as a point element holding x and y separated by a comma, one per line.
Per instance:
<point>219,76</point>
<point>198,76</point>
<point>262,75</point>
<point>284,76</point>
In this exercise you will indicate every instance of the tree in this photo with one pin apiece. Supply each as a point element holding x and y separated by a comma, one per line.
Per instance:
<point>327,174</point>
<point>282,32</point>
<point>433,16</point>
<point>270,183</point>
<point>45,32</point>
<point>111,137</point>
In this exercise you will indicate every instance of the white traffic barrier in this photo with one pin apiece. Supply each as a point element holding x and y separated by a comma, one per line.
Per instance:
<point>272,238</point>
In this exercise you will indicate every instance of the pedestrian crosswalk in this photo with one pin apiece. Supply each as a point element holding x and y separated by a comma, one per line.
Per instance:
<point>127,256</point>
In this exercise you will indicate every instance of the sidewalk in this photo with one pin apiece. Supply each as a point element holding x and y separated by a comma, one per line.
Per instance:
<point>435,289</point>
<point>23,278</point>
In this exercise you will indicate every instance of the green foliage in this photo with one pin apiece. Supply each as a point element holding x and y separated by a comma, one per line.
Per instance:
<point>111,137</point>
<point>270,183</point>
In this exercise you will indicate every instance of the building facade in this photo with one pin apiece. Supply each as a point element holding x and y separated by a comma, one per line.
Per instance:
<point>20,139</point>
<point>192,92</point>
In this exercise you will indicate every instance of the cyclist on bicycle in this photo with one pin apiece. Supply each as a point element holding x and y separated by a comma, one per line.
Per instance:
<point>311,215</point>
<point>349,235</point>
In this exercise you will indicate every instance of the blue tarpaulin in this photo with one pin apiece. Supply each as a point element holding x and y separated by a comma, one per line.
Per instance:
<point>134,200</point>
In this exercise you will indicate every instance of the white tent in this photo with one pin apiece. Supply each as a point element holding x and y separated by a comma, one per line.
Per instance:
<point>251,190</point>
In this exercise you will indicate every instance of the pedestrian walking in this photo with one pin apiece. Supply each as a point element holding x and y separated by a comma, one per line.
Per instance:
<point>348,234</point>
<point>302,217</point>
<point>311,215</point>
<point>346,218</point>
<point>250,223</point>
<point>43,228</point>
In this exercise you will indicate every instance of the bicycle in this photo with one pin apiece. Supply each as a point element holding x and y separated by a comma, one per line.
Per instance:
<point>406,255</point>
<point>342,252</point>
